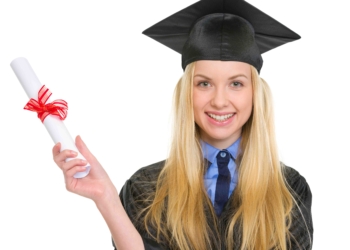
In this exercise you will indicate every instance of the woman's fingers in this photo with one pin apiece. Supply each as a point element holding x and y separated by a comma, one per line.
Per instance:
<point>73,170</point>
<point>56,150</point>
<point>72,166</point>
<point>67,166</point>
<point>83,149</point>
<point>60,157</point>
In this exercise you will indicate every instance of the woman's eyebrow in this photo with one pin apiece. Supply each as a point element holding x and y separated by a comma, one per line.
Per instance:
<point>239,75</point>
<point>203,76</point>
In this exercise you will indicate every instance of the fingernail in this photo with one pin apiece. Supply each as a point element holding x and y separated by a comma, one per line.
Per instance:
<point>83,161</point>
<point>73,152</point>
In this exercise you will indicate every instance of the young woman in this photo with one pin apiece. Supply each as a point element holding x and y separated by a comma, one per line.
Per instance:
<point>222,186</point>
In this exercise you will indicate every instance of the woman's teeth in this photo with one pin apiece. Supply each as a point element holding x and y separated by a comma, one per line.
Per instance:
<point>220,118</point>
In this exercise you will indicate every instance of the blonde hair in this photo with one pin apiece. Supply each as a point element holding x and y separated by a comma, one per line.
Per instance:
<point>262,200</point>
<point>265,203</point>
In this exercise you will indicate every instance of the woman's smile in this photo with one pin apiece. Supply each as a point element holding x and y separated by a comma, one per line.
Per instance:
<point>220,119</point>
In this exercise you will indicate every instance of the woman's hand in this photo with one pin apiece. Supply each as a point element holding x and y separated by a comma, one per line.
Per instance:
<point>96,185</point>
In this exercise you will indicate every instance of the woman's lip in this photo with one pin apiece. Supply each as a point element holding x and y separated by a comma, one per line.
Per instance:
<point>219,113</point>
<point>221,123</point>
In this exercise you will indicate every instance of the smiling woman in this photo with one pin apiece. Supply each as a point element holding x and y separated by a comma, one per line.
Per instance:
<point>251,202</point>
<point>222,185</point>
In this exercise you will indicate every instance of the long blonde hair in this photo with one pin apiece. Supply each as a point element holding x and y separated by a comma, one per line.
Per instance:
<point>262,201</point>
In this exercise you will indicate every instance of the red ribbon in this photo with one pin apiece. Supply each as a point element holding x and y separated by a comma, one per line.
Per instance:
<point>58,107</point>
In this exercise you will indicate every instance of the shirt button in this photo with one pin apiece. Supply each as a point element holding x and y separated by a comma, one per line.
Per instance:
<point>222,154</point>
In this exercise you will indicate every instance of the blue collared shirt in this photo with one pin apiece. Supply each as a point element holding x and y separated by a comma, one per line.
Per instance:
<point>210,178</point>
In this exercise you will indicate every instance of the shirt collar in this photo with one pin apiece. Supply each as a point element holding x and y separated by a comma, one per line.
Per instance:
<point>210,152</point>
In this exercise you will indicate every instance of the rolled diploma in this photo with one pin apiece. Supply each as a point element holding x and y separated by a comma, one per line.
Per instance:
<point>53,124</point>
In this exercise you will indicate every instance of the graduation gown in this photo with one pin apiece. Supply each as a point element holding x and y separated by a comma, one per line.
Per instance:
<point>134,193</point>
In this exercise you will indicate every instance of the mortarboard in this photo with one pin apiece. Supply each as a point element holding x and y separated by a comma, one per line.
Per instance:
<point>226,30</point>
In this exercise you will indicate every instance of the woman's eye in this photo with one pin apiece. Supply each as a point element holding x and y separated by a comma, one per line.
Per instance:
<point>236,84</point>
<point>204,84</point>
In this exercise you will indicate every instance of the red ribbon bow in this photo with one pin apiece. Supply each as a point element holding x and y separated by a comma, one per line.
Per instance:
<point>58,107</point>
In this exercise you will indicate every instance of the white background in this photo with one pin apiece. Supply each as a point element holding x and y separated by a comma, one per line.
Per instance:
<point>119,85</point>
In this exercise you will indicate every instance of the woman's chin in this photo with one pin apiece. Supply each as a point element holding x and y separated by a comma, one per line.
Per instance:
<point>222,139</point>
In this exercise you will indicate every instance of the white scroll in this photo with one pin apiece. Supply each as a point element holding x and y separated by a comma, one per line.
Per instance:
<point>53,124</point>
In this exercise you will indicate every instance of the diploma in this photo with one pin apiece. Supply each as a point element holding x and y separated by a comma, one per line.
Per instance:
<point>52,123</point>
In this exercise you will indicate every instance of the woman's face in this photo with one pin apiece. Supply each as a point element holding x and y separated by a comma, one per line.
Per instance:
<point>222,100</point>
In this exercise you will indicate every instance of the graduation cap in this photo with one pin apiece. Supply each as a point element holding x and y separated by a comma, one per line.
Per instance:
<point>226,30</point>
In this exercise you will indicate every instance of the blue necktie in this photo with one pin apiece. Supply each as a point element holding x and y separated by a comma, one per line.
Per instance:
<point>223,181</point>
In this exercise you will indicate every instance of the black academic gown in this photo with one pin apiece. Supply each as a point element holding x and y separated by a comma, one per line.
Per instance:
<point>134,193</point>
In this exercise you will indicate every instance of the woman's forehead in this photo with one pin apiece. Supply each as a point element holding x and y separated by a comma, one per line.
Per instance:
<point>215,67</point>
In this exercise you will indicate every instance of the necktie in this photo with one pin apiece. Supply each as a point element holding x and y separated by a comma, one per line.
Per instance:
<point>223,181</point>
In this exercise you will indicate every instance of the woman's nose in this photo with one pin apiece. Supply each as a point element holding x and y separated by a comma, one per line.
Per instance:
<point>220,98</point>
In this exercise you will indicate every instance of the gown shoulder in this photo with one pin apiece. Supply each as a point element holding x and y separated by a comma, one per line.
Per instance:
<point>136,195</point>
<point>301,227</point>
